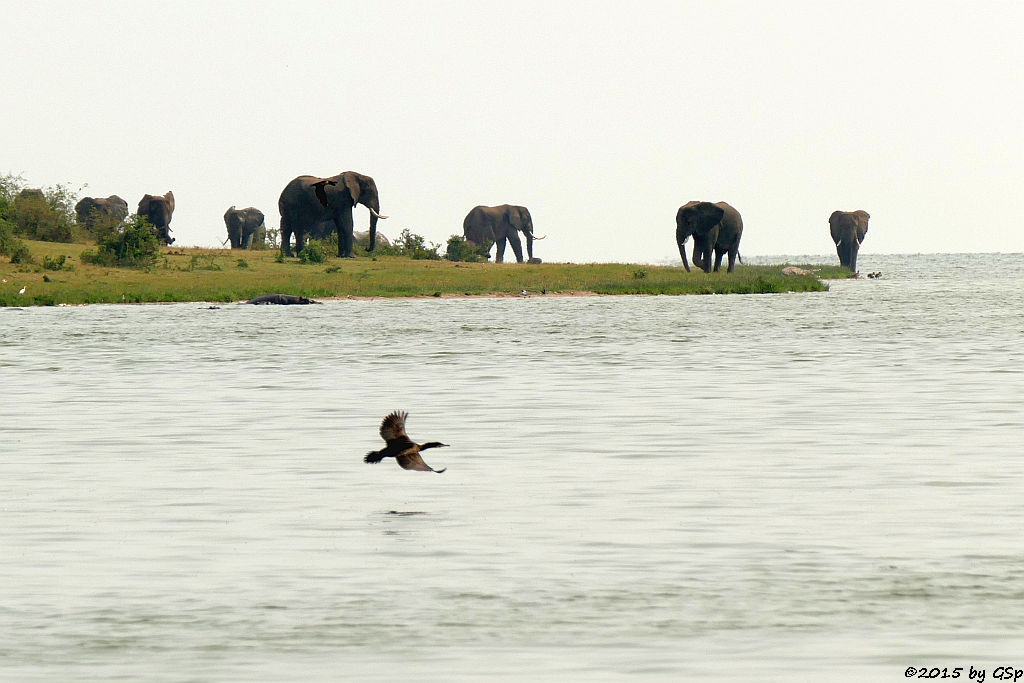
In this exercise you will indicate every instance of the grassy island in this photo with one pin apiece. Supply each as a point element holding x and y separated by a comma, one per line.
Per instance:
<point>57,275</point>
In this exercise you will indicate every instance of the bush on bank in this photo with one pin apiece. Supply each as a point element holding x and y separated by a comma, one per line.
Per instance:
<point>133,244</point>
<point>46,214</point>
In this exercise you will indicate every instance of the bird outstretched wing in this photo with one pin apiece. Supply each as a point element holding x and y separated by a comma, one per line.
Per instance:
<point>393,426</point>
<point>413,461</point>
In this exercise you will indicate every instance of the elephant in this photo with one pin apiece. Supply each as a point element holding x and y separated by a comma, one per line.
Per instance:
<point>242,226</point>
<point>848,230</point>
<point>157,210</point>
<point>717,227</point>
<point>100,212</point>
<point>485,225</point>
<point>308,200</point>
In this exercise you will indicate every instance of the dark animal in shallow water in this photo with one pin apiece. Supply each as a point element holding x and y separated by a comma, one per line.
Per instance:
<point>400,446</point>
<point>282,299</point>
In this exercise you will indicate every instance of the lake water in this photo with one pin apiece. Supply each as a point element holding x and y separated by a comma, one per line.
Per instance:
<point>793,487</point>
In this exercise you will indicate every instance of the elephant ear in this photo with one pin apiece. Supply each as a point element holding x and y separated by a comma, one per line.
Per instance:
<point>833,226</point>
<point>862,225</point>
<point>170,200</point>
<point>515,218</point>
<point>354,189</point>
<point>715,213</point>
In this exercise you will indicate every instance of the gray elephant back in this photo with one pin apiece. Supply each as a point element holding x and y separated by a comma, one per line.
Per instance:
<point>112,208</point>
<point>731,225</point>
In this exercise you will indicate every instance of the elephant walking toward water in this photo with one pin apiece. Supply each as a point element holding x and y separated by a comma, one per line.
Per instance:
<point>485,225</point>
<point>308,200</point>
<point>848,230</point>
<point>716,227</point>
<point>242,226</point>
<point>158,211</point>
<point>99,212</point>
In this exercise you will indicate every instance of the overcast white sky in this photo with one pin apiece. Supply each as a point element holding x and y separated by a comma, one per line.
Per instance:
<point>601,117</point>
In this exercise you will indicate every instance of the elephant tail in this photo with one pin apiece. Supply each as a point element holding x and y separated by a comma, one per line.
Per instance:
<point>374,457</point>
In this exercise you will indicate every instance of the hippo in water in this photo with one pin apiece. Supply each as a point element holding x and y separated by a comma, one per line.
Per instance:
<point>282,299</point>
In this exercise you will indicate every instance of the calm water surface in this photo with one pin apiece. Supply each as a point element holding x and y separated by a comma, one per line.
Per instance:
<point>772,487</point>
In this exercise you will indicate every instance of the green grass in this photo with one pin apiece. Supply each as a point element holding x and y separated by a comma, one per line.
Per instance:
<point>214,275</point>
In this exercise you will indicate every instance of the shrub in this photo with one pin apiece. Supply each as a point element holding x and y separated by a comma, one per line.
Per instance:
<point>33,218</point>
<point>314,252</point>
<point>460,249</point>
<point>242,263</point>
<point>11,246</point>
<point>416,247</point>
<point>57,263</point>
<point>7,237</point>
<point>47,214</point>
<point>133,244</point>
<point>20,253</point>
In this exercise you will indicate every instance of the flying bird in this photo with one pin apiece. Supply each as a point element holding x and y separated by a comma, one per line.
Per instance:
<point>400,446</point>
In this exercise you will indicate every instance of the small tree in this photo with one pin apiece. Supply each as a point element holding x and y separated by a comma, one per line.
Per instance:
<point>416,247</point>
<point>461,249</point>
<point>11,246</point>
<point>133,244</point>
<point>46,214</point>
<point>313,252</point>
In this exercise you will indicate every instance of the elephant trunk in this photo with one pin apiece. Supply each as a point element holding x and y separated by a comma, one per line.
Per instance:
<point>847,250</point>
<point>682,252</point>
<point>374,206</point>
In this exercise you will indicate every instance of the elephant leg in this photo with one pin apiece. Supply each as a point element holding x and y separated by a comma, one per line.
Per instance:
<point>286,236</point>
<point>247,241</point>
<point>718,259</point>
<point>702,257</point>
<point>499,254</point>
<point>343,221</point>
<point>733,253</point>
<point>517,246</point>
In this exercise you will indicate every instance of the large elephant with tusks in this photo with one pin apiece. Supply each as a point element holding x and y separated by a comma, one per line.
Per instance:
<point>848,229</point>
<point>715,227</point>
<point>487,225</point>
<point>309,200</point>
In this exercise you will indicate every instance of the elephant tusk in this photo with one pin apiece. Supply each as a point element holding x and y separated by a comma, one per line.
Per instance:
<point>378,215</point>
<point>535,238</point>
